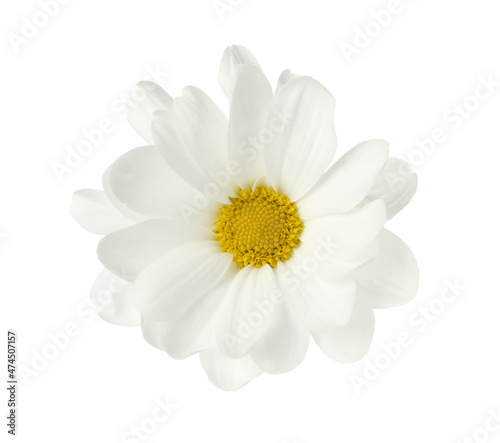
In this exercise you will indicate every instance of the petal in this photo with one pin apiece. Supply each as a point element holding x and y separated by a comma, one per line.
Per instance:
<point>202,127</point>
<point>347,182</point>
<point>284,347</point>
<point>143,182</point>
<point>93,211</point>
<point>333,246</point>
<point>194,332</point>
<point>396,185</point>
<point>112,300</point>
<point>250,310</point>
<point>116,202</point>
<point>320,303</point>
<point>391,279</point>
<point>142,102</point>
<point>233,57</point>
<point>171,147</point>
<point>152,331</point>
<point>131,250</point>
<point>261,181</point>
<point>350,342</point>
<point>193,140</point>
<point>302,136</point>
<point>248,116</point>
<point>344,236</point>
<point>172,284</point>
<point>227,373</point>
<point>284,78</point>
<point>320,260</point>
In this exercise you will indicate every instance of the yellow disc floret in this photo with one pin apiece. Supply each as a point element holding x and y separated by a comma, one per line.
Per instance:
<point>259,227</point>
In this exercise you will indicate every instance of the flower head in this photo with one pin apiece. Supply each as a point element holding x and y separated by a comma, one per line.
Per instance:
<point>234,238</point>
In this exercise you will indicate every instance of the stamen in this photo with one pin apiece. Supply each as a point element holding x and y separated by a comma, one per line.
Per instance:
<point>259,227</point>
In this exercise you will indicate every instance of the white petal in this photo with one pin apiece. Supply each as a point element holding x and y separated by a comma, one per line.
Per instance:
<point>172,284</point>
<point>171,147</point>
<point>195,331</point>
<point>343,237</point>
<point>283,347</point>
<point>391,279</point>
<point>351,342</point>
<point>152,331</point>
<point>284,78</point>
<point>142,102</point>
<point>261,181</point>
<point>347,182</point>
<point>321,304</point>
<point>233,57</point>
<point>193,140</point>
<point>396,185</point>
<point>333,246</point>
<point>93,210</point>
<point>129,251</point>
<point>227,373</point>
<point>320,260</point>
<point>250,310</point>
<point>202,127</point>
<point>117,203</point>
<point>303,139</point>
<point>142,181</point>
<point>112,300</point>
<point>248,117</point>
<point>344,266</point>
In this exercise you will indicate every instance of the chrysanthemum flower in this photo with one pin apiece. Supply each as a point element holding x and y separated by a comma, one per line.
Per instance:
<point>233,238</point>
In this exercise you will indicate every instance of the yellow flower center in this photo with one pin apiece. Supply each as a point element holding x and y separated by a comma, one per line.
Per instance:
<point>259,227</point>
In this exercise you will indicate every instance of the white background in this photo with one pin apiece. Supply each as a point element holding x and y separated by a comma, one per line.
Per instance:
<point>75,71</point>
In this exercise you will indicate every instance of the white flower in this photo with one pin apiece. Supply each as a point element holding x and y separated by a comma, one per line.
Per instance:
<point>236,239</point>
